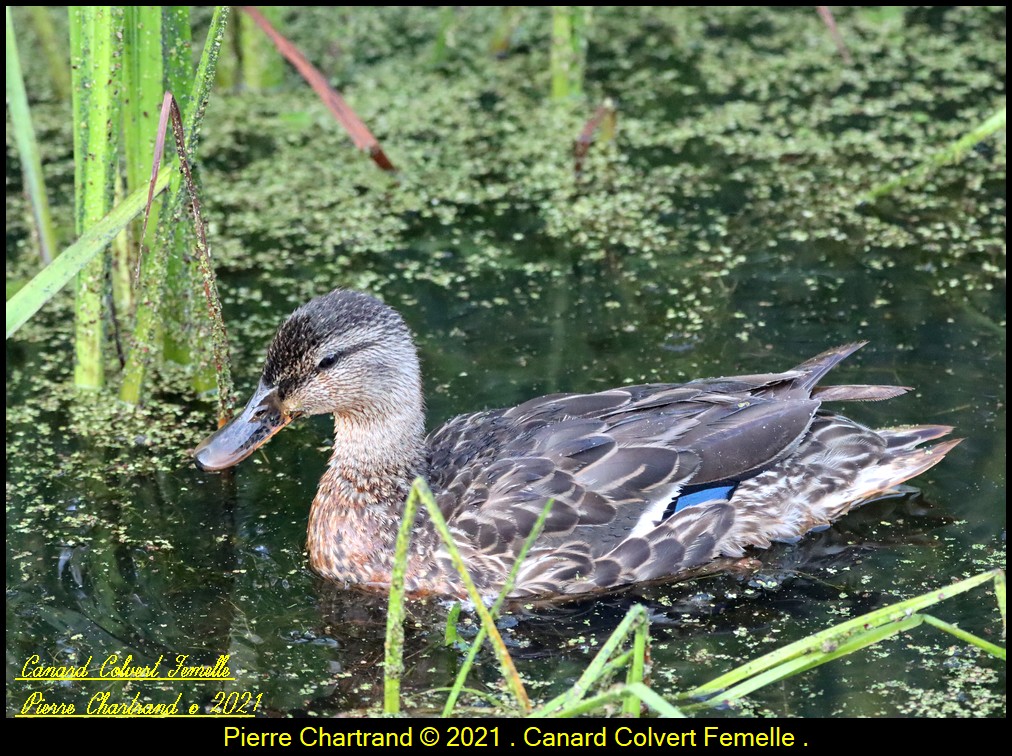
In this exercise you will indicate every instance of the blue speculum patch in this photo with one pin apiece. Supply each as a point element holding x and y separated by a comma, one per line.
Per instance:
<point>693,496</point>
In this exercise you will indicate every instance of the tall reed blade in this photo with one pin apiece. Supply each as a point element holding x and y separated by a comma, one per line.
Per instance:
<point>219,338</point>
<point>180,343</point>
<point>48,282</point>
<point>155,264</point>
<point>393,647</point>
<point>261,68</point>
<point>832,643</point>
<point>511,579</point>
<point>355,126</point>
<point>509,670</point>
<point>194,307</point>
<point>28,148</point>
<point>96,34</point>
<point>54,48</point>
<point>569,51</point>
<point>147,323</point>
<point>143,84</point>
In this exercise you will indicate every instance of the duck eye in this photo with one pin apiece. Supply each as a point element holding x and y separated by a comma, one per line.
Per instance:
<point>329,361</point>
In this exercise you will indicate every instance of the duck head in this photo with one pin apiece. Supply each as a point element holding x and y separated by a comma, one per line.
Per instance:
<point>343,353</point>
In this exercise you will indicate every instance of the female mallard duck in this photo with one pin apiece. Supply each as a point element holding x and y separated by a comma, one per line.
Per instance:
<point>649,482</point>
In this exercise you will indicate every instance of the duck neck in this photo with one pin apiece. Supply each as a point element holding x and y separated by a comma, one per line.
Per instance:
<point>357,510</point>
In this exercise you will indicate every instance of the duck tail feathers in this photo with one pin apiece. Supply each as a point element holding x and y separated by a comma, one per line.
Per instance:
<point>857,393</point>
<point>814,369</point>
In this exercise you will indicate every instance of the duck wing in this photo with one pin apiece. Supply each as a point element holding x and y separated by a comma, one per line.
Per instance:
<point>616,463</point>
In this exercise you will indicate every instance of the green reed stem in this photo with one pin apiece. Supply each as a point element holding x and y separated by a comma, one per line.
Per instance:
<point>509,670</point>
<point>143,79</point>
<point>950,154</point>
<point>963,635</point>
<point>155,264</point>
<point>393,647</point>
<point>262,68</point>
<point>598,667</point>
<point>219,336</point>
<point>568,52</point>
<point>54,48</point>
<point>639,691</point>
<point>206,344</point>
<point>179,301</point>
<point>28,147</point>
<point>829,644</point>
<point>95,48</point>
<point>511,580</point>
<point>637,666</point>
<point>48,282</point>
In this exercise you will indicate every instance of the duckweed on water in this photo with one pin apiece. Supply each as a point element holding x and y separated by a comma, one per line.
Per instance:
<point>753,137</point>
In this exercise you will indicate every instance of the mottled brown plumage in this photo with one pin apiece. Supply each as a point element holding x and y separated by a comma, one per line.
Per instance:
<point>649,482</point>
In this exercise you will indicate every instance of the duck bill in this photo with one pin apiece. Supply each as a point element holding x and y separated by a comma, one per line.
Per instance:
<point>262,417</point>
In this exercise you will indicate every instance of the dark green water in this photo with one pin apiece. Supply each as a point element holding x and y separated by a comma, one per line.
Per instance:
<point>692,252</point>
